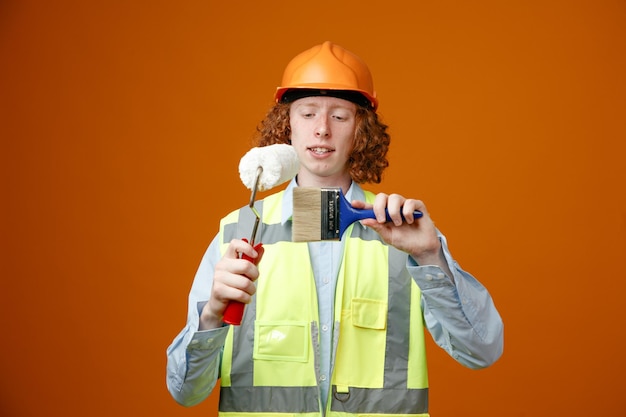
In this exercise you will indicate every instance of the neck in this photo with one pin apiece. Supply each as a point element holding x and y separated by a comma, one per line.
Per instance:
<point>322,182</point>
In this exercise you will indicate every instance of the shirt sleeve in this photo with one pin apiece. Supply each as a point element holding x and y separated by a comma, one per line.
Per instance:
<point>459,312</point>
<point>193,357</point>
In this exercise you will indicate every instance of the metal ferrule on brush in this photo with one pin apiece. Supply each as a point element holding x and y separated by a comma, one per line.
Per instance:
<point>330,213</point>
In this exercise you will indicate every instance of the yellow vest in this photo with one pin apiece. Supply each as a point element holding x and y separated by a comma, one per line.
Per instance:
<point>269,362</point>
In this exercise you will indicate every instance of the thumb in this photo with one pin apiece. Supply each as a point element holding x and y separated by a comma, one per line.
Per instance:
<point>380,228</point>
<point>358,204</point>
<point>260,250</point>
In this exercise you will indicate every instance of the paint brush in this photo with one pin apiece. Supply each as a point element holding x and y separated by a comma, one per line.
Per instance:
<point>325,214</point>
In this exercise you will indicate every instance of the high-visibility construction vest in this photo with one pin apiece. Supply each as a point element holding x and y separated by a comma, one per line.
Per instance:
<point>269,361</point>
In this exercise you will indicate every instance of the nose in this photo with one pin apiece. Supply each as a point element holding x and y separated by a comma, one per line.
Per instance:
<point>322,130</point>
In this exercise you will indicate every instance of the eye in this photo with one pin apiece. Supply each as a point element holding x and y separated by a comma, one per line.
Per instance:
<point>341,117</point>
<point>306,113</point>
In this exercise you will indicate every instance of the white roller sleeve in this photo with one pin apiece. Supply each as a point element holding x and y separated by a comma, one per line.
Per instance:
<point>280,163</point>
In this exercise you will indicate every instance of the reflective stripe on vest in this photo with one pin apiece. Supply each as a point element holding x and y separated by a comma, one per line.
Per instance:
<point>400,386</point>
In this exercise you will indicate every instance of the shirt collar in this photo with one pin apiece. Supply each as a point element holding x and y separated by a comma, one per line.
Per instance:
<point>355,192</point>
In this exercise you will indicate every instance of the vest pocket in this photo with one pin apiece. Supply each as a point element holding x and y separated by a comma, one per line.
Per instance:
<point>369,314</point>
<point>281,340</point>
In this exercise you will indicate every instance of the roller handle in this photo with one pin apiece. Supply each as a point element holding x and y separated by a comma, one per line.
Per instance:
<point>234,310</point>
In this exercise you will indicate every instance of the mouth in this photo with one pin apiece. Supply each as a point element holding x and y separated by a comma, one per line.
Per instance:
<point>320,150</point>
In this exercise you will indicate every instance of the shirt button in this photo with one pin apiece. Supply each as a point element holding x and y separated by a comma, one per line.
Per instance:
<point>429,277</point>
<point>440,275</point>
<point>323,378</point>
<point>326,280</point>
<point>324,328</point>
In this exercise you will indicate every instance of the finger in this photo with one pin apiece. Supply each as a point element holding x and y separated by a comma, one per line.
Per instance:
<point>227,268</point>
<point>395,203</point>
<point>248,269</point>
<point>420,206</point>
<point>237,247</point>
<point>234,288</point>
<point>235,276</point>
<point>410,206</point>
<point>358,204</point>
<point>240,283</point>
<point>379,206</point>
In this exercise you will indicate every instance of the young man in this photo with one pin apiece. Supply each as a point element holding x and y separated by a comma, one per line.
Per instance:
<point>331,328</point>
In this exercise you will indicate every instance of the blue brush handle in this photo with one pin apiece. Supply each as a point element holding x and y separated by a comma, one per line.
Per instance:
<point>360,214</point>
<point>349,214</point>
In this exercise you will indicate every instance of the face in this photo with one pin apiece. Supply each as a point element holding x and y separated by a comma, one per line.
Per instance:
<point>322,133</point>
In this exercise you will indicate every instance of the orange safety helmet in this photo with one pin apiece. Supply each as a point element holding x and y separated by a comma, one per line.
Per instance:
<point>328,69</point>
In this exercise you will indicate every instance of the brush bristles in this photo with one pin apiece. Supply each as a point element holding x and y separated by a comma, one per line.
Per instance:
<point>316,214</point>
<point>307,214</point>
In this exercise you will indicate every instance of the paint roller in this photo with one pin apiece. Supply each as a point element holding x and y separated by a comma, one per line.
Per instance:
<point>261,169</point>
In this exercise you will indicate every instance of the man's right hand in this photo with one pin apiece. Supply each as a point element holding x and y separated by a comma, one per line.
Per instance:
<point>233,280</point>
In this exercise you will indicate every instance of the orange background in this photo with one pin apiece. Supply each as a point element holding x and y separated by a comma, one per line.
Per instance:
<point>123,123</point>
